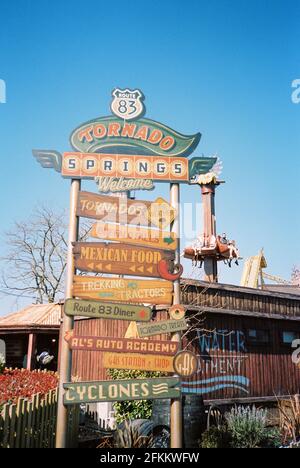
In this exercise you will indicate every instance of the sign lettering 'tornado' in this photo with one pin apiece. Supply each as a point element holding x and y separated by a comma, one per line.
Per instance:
<point>126,151</point>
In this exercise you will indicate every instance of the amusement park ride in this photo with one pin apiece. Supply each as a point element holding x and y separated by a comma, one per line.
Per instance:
<point>210,248</point>
<point>254,277</point>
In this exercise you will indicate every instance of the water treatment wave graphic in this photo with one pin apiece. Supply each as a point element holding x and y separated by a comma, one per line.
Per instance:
<point>200,387</point>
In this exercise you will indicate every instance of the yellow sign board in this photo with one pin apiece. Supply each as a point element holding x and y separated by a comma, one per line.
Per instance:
<point>133,291</point>
<point>134,235</point>
<point>161,213</point>
<point>145,362</point>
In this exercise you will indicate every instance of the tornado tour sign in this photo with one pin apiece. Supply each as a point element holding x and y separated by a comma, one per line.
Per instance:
<point>126,151</point>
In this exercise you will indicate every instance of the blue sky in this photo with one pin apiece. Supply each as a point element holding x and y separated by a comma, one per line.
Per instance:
<point>223,68</point>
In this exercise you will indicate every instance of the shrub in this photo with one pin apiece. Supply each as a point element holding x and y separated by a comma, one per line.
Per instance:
<point>21,383</point>
<point>247,426</point>
<point>130,410</point>
<point>216,437</point>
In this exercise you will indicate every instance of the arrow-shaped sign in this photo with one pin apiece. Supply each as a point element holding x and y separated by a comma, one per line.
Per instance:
<point>134,235</point>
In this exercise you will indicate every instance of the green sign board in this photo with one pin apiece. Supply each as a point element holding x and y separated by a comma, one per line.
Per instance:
<point>96,309</point>
<point>122,390</point>
<point>143,135</point>
<point>160,328</point>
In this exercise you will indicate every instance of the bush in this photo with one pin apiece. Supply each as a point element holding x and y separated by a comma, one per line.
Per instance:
<point>21,383</point>
<point>130,410</point>
<point>247,426</point>
<point>216,437</point>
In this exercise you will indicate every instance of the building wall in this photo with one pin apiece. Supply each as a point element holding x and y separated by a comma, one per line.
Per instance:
<point>16,349</point>
<point>231,365</point>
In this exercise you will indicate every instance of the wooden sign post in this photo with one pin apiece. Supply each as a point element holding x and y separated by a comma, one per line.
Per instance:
<point>135,235</point>
<point>143,362</point>
<point>109,149</point>
<point>176,404</point>
<point>123,210</point>
<point>123,390</point>
<point>120,259</point>
<point>121,345</point>
<point>161,327</point>
<point>123,290</point>
<point>65,368</point>
<point>185,364</point>
<point>96,309</point>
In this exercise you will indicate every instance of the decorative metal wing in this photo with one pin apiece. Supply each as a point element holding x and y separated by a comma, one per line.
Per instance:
<point>198,166</point>
<point>49,159</point>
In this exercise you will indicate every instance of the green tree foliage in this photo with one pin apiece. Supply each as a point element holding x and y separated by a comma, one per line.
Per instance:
<point>129,410</point>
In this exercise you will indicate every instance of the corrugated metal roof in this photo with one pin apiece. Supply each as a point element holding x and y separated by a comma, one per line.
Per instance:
<point>34,315</point>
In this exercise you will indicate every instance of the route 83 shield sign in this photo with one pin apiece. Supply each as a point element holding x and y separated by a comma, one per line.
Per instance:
<point>127,104</point>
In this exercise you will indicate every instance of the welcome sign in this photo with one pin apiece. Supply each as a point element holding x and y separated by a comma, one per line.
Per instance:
<point>126,151</point>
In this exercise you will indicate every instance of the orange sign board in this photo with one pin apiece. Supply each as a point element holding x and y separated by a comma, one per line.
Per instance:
<point>185,364</point>
<point>135,235</point>
<point>159,168</point>
<point>158,292</point>
<point>120,259</point>
<point>161,213</point>
<point>145,362</point>
<point>125,211</point>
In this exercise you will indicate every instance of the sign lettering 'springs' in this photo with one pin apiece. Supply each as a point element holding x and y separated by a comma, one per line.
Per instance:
<point>158,168</point>
<point>158,292</point>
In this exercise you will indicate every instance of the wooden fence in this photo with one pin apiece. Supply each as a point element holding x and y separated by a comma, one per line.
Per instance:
<point>31,423</point>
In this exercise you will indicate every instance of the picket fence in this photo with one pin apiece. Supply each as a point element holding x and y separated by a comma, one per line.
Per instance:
<point>31,423</point>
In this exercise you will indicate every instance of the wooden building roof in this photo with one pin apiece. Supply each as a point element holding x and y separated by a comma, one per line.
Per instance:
<point>34,316</point>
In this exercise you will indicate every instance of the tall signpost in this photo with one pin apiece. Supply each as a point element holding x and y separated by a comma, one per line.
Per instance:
<point>176,404</point>
<point>65,365</point>
<point>124,152</point>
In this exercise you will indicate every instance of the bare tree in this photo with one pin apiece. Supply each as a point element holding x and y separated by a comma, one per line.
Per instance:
<point>35,261</point>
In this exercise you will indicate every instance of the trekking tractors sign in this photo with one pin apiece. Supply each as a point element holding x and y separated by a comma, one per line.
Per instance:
<point>126,151</point>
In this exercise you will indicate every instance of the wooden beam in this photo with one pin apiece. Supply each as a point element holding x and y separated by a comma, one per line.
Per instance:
<point>246,401</point>
<point>238,289</point>
<point>30,350</point>
<point>242,313</point>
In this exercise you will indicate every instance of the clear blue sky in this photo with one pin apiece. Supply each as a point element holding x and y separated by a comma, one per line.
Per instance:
<point>220,67</point>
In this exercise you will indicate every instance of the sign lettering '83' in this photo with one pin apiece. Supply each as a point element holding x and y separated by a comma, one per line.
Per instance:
<point>127,104</point>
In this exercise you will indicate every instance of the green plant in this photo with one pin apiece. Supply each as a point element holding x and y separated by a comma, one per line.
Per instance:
<point>247,426</point>
<point>216,437</point>
<point>130,410</point>
<point>129,435</point>
<point>272,438</point>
